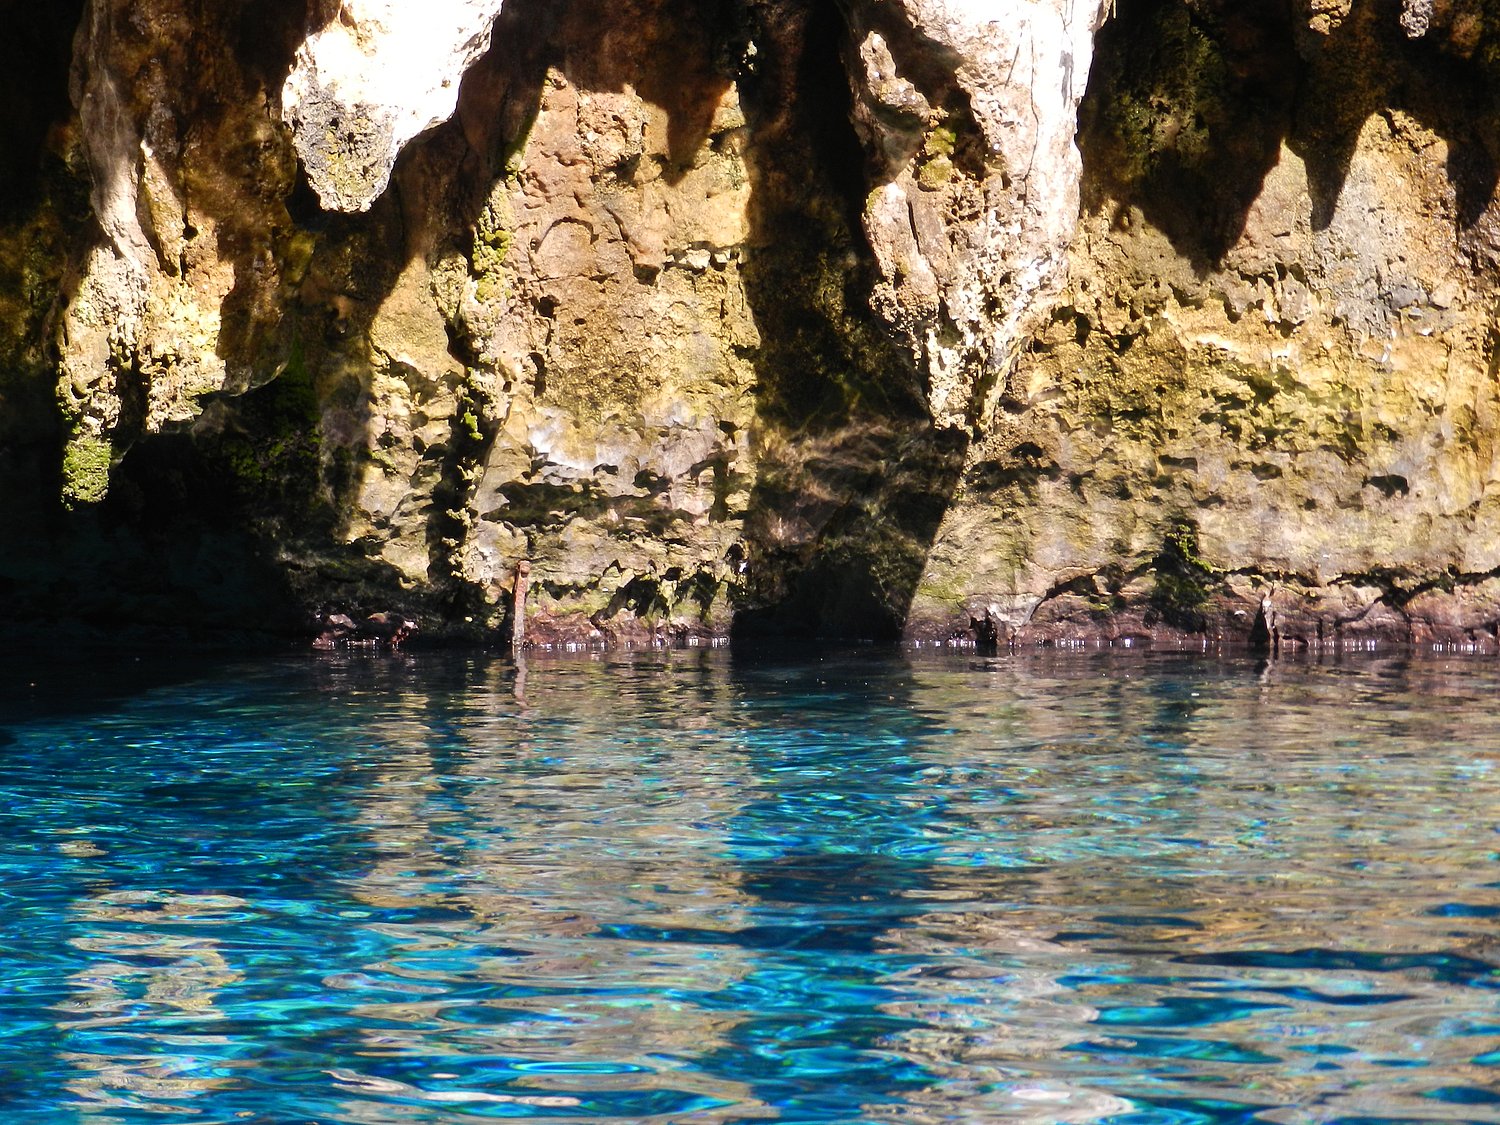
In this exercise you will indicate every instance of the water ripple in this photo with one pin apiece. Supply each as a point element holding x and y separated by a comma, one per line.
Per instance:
<point>694,887</point>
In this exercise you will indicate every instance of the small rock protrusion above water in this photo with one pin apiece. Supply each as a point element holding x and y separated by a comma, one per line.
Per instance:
<point>518,606</point>
<point>378,630</point>
<point>1264,634</point>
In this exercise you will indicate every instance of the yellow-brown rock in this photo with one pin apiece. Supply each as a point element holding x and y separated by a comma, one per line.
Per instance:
<point>1153,321</point>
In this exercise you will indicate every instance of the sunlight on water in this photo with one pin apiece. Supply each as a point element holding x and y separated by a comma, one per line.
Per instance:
<point>701,887</point>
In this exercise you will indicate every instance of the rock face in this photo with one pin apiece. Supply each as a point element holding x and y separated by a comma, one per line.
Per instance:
<point>976,196</point>
<point>1054,320</point>
<point>179,297</point>
<point>1271,374</point>
<point>379,73</point>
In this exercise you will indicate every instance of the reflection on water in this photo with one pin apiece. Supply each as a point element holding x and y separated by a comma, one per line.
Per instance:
<point>695,887</point>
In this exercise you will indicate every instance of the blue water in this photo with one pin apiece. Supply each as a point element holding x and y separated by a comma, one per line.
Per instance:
<point>691,887</point>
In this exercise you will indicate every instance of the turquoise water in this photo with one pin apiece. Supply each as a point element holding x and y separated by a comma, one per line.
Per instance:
<point>691,887</point>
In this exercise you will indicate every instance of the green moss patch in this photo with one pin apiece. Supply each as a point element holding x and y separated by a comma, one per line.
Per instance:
<point>1184,580</point>
<point>85,470</point>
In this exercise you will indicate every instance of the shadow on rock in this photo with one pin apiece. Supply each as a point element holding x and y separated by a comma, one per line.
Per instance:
<point>853,477</point>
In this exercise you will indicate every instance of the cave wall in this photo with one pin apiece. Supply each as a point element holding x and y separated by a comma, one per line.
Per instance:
<point>1166,320</point>
<point>1269,388</point>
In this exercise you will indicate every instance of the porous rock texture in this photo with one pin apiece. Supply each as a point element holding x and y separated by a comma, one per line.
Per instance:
<point>1268,391</point>
<point>370,80</point>
<point>1003,321</point>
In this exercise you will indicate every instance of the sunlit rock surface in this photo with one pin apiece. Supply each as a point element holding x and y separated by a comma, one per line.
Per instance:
<point>178,293</point>
<point>379,73</point>
<point>977,199</point>
<point>1159,321</point>
<point>1271,373</point>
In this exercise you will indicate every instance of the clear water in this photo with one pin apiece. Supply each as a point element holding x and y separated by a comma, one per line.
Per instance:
<point>691,887</point>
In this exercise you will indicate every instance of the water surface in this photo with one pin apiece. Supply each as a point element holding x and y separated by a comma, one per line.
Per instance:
<point>695,887</point>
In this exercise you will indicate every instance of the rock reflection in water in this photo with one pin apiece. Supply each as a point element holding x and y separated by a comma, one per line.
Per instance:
<point>150,959</point>
<point>513,835</point>
<point>1159,860</point>
<point>686,886</point>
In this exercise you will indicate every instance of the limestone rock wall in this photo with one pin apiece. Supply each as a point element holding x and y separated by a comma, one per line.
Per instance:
<point>969,111</point>
<point>375,75</point>
<point>1268,390</point>
<point>1055,320</point>
<point>179,294</point>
